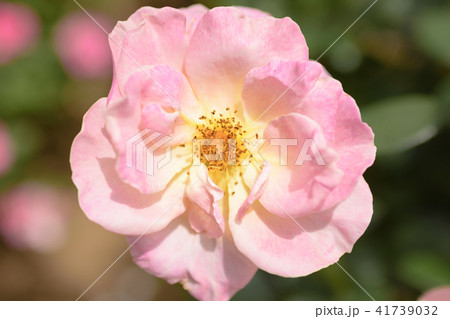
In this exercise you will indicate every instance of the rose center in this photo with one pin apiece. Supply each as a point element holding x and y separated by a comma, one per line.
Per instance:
<point>219,141</point>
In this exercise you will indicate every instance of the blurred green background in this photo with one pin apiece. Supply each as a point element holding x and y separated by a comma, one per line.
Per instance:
<point>395,62</point>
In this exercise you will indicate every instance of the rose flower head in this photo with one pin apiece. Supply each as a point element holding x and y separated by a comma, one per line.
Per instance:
<point>82,46</point>
<point>19,30</point>
<point>34,216</point>
<point>221,148</point>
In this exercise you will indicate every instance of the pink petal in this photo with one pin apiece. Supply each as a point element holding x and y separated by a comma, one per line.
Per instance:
<point>152,177</point>
<point>145,106</point>
<point>265,94</point>
<point>166,39</point>
<point>436,294</point>
<point>280,246</point>
<point>300,188</point>
<point>252,12</point>
<point>353,142</point>
<point>227,44</point>
<point>321,98</point>
<point>210,269</point>
<point>194,13</point>
<point>259,181</point>
<point>159,119</point>
<point>127,115</point>
<point>104,197</point>
<point>205,215</point>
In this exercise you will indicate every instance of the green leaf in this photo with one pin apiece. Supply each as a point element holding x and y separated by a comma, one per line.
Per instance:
<point>423,270</point>
<point>432,32</point>
<point>402,122</point>
<point>257,289</point>
<point>443,94</point>
<point>27,137</point>
<point>31,84</point>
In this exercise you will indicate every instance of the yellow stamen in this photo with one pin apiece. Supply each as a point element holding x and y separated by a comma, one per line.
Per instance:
<point>227,129</point>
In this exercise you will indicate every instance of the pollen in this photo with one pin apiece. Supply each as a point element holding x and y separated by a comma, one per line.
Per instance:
<point>228,130</point>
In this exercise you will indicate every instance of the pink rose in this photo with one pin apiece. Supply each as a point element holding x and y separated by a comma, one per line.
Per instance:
<point>210,224</point>
<point>436,294</point>
<point>6,151</point>
<point>34,216</point>
<point>19,30</point>
<point>83,46</point>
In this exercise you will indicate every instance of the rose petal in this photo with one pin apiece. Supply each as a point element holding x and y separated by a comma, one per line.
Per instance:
<point>265,94</point>
<point>127,115</point>
<point>321,98</point>
<point>252,12</point>
<point>280,246</point>
<point>210,269</point>
<point>104,197</point>
<point>227,44</point>
<point>206,215</point>
<point>436,294</point>
<point>158,119</point>
<point>193,14</point>
<point>353,142</point>
<point>301,187</point>
<point>146,122</point>
<point>259,181</point>
<point>164,31</point>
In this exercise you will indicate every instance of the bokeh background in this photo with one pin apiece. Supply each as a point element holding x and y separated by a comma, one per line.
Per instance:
<point>395,62</point>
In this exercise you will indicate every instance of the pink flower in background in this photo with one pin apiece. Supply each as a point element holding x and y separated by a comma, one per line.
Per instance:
<point>6,150</point>
<point>211,225</point>
<point>436,294</point>
<point>34,216</point>
<point>19,30</point>
<point>83,46</point>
